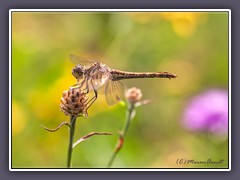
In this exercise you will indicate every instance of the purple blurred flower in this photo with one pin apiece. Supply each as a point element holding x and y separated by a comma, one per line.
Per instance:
<point>208,111</point>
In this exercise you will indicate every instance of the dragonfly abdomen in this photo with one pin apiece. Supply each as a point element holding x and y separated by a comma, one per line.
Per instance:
<point>119,75</point>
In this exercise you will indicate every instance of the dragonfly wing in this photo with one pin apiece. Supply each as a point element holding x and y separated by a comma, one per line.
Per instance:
<point>98,80</point>
<point>114,91</point>
<point>79,60</point>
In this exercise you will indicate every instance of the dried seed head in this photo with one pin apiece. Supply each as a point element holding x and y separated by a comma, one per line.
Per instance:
<point>133,95</point>
<point>74,102</point>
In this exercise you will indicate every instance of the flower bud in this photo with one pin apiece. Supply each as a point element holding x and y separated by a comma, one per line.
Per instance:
<point>133,95</point>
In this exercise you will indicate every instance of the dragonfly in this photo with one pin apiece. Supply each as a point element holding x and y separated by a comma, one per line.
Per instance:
<point>93,75</point>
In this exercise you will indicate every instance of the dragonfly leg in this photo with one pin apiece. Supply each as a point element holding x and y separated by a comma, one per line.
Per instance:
<point>93,99</point>
<point>78,85</point>
<point>86,88</point>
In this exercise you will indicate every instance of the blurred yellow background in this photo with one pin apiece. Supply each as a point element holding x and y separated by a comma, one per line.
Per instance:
<point>193,45</point>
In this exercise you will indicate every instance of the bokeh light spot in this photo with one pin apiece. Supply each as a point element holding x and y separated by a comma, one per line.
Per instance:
<point>18,118</point>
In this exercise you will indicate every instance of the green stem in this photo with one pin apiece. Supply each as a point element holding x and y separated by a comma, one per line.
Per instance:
<point>129,118</point>
<point>71,137</point>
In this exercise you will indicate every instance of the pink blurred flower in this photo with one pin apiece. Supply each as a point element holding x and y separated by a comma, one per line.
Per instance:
<point>208,111</point>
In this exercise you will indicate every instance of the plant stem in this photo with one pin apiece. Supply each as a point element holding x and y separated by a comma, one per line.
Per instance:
<point>71,137</point>
<point>129,118</point>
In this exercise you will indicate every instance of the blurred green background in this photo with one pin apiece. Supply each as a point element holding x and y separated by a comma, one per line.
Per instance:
<point>192,45</point>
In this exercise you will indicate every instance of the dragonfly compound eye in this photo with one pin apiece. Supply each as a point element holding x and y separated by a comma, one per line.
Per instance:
<point>78,71</point>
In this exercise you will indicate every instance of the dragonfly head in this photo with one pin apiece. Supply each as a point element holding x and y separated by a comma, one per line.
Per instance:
<point>78,71</point>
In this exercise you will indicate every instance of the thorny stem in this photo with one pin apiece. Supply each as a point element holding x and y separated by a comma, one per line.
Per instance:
<point>129,117</point>
<point>71,137</point>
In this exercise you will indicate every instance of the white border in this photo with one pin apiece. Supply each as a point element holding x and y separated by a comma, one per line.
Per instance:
<point>116,10</point>
<point>230,91</point>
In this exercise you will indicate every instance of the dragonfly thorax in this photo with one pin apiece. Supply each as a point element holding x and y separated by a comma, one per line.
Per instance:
<point>78,71</point>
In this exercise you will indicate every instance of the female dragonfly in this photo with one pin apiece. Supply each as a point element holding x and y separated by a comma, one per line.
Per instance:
<point>93,75</point>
